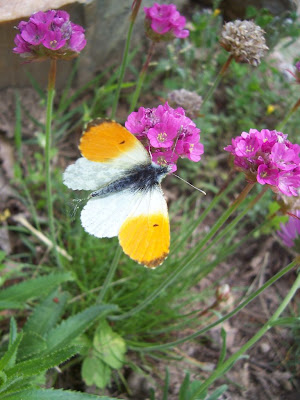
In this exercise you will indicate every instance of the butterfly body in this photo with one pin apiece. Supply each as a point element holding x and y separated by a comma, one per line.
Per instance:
<point>140,178</point>
<point>126,199</point>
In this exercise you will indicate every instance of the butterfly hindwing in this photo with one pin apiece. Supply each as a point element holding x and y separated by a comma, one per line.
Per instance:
<point>145,234</point>
<point>103,216</point>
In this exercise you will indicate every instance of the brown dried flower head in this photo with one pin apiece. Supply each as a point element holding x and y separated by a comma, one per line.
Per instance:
<point>190,101</point>
<point>245,41</point>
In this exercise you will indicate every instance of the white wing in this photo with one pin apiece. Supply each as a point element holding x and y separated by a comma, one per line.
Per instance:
<point>103,216</point>
<point>90,175</point>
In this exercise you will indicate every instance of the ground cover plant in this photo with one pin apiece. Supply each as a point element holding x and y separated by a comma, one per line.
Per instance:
<point>74,302</point>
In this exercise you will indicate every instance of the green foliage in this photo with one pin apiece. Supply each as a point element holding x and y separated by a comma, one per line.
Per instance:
<point>107,353</point>
<point>43,345</point>
<point>50,394</point>
<point>15,296</point>
<point>146,308</point>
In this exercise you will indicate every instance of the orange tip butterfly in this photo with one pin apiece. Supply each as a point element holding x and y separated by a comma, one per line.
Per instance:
<point>127,200</point>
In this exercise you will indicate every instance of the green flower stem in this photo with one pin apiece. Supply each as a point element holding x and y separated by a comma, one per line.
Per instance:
<point>50,99</point>
<point>110,274</point>
<point>141,79</point>
<point>122,70</point>
<point>218,79</point>
<point>138,346</point>
<point>190,258</point>
<point>223,368</point>
<point>287,117</point>
<point>236,220</point>
<point>190,229</point>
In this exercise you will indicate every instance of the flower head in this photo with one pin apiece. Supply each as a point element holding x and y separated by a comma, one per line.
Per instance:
<point>190,101</point>
<point>167,133</point>
<point>49,34</point>
<point>290,232</point>
<point>164,22</point>
<point>268,158</point>
<point>245,41</point>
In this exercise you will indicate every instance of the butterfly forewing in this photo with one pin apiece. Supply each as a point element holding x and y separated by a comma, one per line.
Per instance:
<point>108,141</point>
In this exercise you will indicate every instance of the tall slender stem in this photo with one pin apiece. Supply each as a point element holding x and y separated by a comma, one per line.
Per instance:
<point>141,78</point>
<point>110,274</point>
<point>218,79</point>
<point>282,124</point>
<point>249,299</point>
<point>231,360</point>
<point>122,70</point>
<point>50,99</point>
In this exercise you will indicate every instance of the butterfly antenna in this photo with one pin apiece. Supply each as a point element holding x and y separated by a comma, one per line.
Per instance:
<point>202,191</point>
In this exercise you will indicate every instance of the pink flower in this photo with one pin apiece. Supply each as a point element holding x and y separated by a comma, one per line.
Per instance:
<point>164,22</point>
<point>166,133</point>
<point>290,232</point>
<point>268,158</point>
<point>165,158</point>
<point>49,34</point>
<point>267,175</point>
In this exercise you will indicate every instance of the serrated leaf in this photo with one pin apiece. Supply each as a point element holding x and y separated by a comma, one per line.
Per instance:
<point>34,288</point>
<point>11,383</point>
<point>10,355</point>
<point>37,365</point>
<point>50,394</point>
<point>95,372</point>
<point>69,329</point>
<point>32,344</point>
<point>5,305</point>
<point>45,316</point>
<point>110,347</point>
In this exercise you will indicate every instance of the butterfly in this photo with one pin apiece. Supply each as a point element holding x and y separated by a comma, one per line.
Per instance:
<point>127,200</point>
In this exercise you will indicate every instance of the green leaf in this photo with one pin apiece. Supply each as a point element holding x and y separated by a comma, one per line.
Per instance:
<point>12,382</point>
<point>43,318</point>
<point>32,343</point>
<point>218,392</point>
<point>33,288</point>
<point>95,372</point>
<point>46,315</point>
<point>5,305</point>
<point>3,378</point>
<point>50,394</point>
<point>184,387</point>
<point>37,365</point>
<point>69,329</point>
<point>110,347</point>
<point>10,355</point>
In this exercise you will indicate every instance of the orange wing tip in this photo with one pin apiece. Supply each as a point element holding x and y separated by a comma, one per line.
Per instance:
<point>152,264</point>
<point>104,140</point>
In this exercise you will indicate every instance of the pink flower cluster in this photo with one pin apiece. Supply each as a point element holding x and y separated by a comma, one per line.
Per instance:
<point>268,158</point>
<point>290,232</point>
<point>167,133</point>
<point>165,20</point>
<point>49,34</point>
